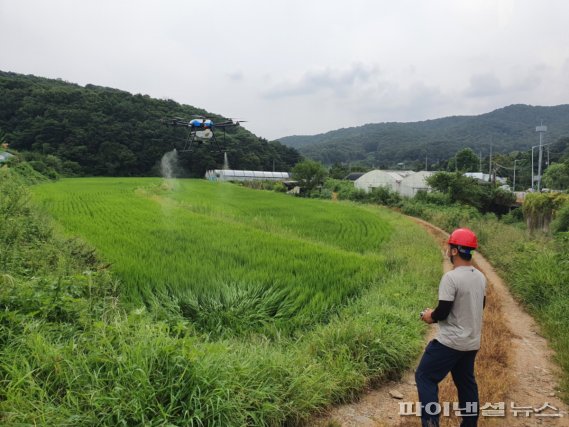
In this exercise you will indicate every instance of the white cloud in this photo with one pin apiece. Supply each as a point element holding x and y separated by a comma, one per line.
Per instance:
<point>301,67</point>
<point>335,81</point>
<point>484,85</point>
<point>235,76</point>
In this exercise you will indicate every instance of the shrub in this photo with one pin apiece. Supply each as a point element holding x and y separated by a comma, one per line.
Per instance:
<point>279,187</point>
<point>515,216</point>
<point>384,196</point>
<point>433,197</point>
<point>539,209</point>
<point>417,209</point>
<point>561,222</point>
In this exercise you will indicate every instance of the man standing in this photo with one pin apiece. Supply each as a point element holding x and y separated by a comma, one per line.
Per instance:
<point>462,296</point>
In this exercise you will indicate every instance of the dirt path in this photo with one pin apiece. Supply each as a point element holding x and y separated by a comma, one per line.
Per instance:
<point>514,366</point>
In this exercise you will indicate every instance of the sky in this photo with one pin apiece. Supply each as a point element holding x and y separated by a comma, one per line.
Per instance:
<point>301,67</point>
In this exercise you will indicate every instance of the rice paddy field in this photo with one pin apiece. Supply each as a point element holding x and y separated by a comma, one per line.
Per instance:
<point>200,243</point>
<point>230,306</point>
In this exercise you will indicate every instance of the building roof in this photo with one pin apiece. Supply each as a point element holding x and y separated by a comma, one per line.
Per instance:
<point>418,177</point>
<point>232,173</point>
<point>484,177</point>
<point>390,175</point>
<point>354,175</point>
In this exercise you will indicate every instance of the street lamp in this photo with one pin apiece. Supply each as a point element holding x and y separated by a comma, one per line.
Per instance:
<point>541,129</point>
<point>532,167</point>
<point>538,178</point>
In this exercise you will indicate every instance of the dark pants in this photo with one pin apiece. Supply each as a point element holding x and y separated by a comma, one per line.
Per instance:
<point>435,364</point>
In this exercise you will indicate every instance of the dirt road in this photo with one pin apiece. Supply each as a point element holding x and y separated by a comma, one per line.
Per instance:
<point>514,366</point>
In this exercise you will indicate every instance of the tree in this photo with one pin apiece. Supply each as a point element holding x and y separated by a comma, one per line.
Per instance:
<point>309,173</point>
<point>338,171</point>
<point>460,188</point>
<point>3,143</point>
<point>465,160</point>
<point>556,176</point>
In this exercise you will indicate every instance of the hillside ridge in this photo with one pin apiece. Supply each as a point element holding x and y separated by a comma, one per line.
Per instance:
<point>384,144</point>
<point>100,131</point>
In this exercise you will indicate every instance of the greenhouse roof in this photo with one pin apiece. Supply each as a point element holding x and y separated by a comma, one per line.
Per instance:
<point>229,173</point>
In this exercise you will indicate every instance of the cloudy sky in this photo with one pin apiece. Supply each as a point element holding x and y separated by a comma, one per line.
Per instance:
<point>301,67</point>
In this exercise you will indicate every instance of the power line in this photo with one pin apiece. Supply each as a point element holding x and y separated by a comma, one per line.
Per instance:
<point>503,167</point>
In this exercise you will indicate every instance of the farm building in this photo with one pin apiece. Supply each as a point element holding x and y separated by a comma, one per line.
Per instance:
<point>241,175</point>
<point>406,183</point>
<point>381,178</point>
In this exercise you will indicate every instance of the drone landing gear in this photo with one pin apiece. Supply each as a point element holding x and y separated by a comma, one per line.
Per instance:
<point>198,140</point>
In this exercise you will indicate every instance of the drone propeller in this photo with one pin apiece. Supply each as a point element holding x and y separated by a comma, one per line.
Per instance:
<point>174,121</point>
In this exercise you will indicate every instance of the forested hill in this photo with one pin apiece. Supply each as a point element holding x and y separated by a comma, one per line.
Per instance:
<point>385,144</point>
<point>102,131</point>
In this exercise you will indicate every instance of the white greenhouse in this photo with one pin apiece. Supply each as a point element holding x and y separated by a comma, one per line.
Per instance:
<point>406,183</point>
<point>414,183</point>
<point>381,178</point>
<point>242,175</point>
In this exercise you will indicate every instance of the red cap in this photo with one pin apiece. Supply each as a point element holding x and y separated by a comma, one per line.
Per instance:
<point>463,237</point>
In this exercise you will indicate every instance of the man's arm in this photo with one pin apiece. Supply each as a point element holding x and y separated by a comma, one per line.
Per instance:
<point>447,292</point>
<point>442,311</point>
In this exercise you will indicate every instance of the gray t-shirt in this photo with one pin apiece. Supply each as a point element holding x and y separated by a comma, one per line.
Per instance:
<point>466,286</point>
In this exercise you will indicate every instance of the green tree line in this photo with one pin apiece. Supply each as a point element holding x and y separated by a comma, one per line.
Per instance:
<point>96,130</point>
<point>384,145</point>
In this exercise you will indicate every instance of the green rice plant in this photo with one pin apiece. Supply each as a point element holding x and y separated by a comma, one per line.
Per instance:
<point>186,244</point>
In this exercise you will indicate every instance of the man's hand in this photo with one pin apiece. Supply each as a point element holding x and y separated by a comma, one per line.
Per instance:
<point>427,316</point>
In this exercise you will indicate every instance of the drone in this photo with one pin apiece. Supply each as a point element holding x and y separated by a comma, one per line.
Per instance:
<point>200,130</point>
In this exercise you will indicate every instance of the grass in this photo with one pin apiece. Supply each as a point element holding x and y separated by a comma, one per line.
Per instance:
<point>87,345</point>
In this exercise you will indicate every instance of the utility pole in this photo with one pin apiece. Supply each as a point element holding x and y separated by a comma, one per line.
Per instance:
<point>532,169</point>
<point>426,163</point>
<point>514,185</point>
<point>480,157</point>
<point>541,129</point>
<point>490,166</point>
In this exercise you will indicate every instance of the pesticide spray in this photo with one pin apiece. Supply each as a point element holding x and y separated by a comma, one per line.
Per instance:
<point>169,164</point>
<point>169,169</point>
<point>225,161</point>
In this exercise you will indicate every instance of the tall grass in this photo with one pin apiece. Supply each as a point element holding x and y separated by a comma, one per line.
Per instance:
<point>77,351</point>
